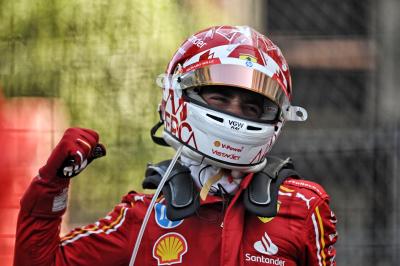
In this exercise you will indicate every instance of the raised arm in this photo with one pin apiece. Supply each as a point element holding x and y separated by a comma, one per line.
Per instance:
<point>45,201</point>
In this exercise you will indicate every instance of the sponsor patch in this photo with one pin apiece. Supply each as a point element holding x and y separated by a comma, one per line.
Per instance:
<point>249,63</point>
<point>169,249</point>
<point>228,147</point>
<point>222,154</point>
<point>266,246</point>
<point>265,260</point>
<point>248,57</point>
<point>162,219</point>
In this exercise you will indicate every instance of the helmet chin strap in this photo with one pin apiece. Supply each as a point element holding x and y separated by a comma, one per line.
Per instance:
<point>208,178</point>
<point>207,186</point>
<point>151,206</point>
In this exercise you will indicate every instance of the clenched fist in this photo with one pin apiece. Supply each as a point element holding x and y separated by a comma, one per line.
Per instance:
<point>76,149</point>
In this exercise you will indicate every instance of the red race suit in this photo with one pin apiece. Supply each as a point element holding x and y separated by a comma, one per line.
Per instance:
<point>302,233</point>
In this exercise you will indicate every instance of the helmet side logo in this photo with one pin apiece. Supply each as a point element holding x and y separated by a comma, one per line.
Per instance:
<point>248,57</point>
<point>169,249</point>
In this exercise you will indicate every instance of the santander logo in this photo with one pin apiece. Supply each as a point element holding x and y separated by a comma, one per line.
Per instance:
<point>266,246</point>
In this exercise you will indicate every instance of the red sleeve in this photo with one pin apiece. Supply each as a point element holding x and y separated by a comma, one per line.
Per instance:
<point>321,235</point>
<point>39,219</point>
<point>107,242</point>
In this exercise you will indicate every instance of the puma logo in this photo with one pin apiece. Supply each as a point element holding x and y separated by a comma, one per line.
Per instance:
<point>301,196</point>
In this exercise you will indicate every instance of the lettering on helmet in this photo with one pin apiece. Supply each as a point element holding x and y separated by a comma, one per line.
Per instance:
<point>175,122</point>
<point>196,41</point>
<point>184,126</point>
<point>226,155</point>
<point>203,63</point>
<point>181,108</point>
<point>219,144</point>
<point>229,147</point>
<point>235,124</point>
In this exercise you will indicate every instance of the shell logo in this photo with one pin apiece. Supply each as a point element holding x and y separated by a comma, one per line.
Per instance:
<point>170,248</point>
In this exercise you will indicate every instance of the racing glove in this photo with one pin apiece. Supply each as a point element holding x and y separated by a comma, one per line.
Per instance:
<point>47,195</point>
<point>77,148</point>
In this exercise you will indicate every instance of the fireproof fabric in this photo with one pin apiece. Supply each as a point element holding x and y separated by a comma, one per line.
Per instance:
<point>302,233</point>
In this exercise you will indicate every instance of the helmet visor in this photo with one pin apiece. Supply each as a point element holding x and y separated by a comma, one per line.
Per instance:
<point>234,101</point>
<point>235,76</point>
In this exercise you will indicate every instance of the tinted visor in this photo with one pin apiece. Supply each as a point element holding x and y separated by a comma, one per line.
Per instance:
<point>235,76</point>
<point>235,101</point>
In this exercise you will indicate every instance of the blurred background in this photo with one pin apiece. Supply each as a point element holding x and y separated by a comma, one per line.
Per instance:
<point>93,63</point>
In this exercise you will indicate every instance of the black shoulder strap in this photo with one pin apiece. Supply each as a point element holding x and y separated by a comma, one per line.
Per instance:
<point>261,197</point>
<point>179,191</point>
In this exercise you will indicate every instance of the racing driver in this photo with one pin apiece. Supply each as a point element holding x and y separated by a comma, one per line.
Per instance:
<point>226,94</point>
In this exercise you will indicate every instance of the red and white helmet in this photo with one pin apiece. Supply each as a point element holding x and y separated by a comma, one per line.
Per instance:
<point>232,56</point>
